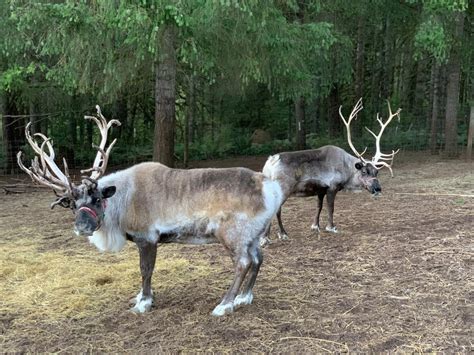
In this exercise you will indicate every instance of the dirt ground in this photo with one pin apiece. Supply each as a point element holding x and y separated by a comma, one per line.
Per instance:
<point>397,277</point>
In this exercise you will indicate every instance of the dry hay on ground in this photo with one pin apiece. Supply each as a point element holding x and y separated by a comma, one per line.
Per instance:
<point>397,277</point>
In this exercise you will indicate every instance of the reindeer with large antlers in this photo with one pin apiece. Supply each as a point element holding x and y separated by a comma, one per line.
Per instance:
<point>150,204</point>
<point>329,169</point>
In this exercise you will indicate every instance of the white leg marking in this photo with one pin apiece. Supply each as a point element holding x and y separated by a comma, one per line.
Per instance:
<point>332,229</point>
<point>264,241</point>
<point>283,236</point>
<point>137,298</point>
<point>142,306</point>
<point>223,309</point>
<point>315,227</point>
<point>243,299</point>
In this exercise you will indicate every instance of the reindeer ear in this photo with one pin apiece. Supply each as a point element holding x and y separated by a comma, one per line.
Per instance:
<point>108,191</point>
<point>358,165</point>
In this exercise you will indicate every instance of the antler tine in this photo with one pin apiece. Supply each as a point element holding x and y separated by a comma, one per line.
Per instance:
<point>358,106</point>
<point>47,173</point>
<point>56,175</point>
<point>37,176</point>
<point>51,170</point>
<point>382,163</point>
<point>103,160</point>
<point>102,157</point>
<point>378,153</point>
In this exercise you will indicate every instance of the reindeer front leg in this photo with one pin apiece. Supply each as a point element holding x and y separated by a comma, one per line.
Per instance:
<point>144,299</point>
<point>315,225</point>
<point>331,197</point>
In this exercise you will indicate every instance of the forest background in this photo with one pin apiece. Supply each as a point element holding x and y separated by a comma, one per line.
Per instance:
<point>196,79</point>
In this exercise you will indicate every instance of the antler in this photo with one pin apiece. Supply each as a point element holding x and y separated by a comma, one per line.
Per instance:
<point>378,158</point>
<point>44,170</point>
<point>102,157</point>
<point>358,106</point>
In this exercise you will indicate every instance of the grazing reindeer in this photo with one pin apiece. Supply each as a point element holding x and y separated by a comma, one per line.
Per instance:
<point>327,170</point>
<point>150,203</point>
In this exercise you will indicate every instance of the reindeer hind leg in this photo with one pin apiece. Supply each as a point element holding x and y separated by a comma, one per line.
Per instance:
<point>282,234</point>
<point>246,297</point>
<point>242,264</point>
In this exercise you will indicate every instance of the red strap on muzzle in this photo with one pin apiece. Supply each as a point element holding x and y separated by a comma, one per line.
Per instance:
<point>93,213</point>
<point>89,211</point>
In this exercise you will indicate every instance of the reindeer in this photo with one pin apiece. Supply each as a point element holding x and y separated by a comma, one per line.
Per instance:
<point>151,204</point>
<point>327,170</point>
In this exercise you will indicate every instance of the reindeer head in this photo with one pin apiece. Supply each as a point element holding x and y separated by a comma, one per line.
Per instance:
<point>367,170</point>
<point>86,200</point>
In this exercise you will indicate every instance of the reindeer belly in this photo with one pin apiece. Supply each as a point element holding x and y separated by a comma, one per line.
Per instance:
<point>199,231</point>
<point>187,238</point>
<point>308,188</point>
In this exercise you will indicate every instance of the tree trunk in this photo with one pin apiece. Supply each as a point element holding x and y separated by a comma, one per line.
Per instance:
<point>34,119</point>
<point>470,135</point>
<point>89,133</point>
<point>120,112</point>
<point>410,92</point>
<point>69,147</point>
<point>188,120</point>
<point>375,72</point>
<point>333,115</point>
<point>434,108</point>
<point>315,119</point>
<point>387,67</point>
<point>13,128</point>
<point>3,165</point>
<point>359,72</point>
<point>212,111</point>
<point>452,94</point>
<point>420,92</point>
<point>165,98</point>
<point>300,142</point>
<point>290,120</point>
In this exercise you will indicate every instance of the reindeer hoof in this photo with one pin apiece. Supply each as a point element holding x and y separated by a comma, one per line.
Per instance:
<point>144,305</point>
<point>223,309</point>
<point>264,241</point>
<point>135,300</point>
<point>315,227</point>
<point>331,229</point>
<point>283,236</point>
<point>243,299</point>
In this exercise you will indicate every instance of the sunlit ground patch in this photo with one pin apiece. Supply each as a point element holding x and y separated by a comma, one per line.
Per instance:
<point>53,284</point>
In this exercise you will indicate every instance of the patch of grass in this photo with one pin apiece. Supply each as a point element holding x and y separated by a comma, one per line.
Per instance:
<point>53,285</point>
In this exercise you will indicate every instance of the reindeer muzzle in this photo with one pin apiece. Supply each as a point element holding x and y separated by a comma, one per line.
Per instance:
<point>87,221</point>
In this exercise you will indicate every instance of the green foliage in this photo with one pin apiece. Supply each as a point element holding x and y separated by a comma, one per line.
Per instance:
<point>431,37</point>
<point>434,36</point>
<point>14,77</point>
<point>250,60</point>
